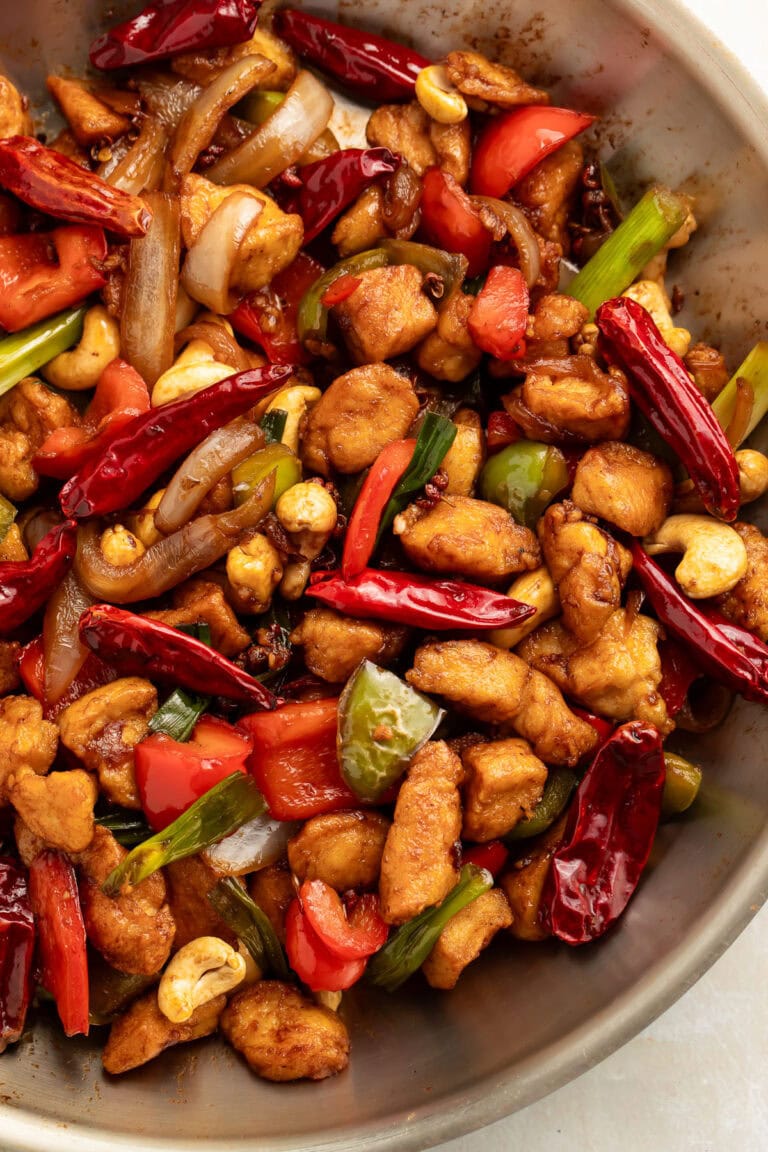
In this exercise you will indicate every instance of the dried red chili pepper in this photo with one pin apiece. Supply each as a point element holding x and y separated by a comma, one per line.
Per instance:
<point>751,645</point>
<point>742,666</point>
<point>678,672</point>
<point>25,585</point>
<point>608,837</point>
<point>381,481</point>
<point>603,727</point>
<point>149,443</point>
<point>367,64</point>
<point>661,387</point>
<point>330,185</point>
<point>45,272</point>
<point>168,27</point>
<point>52,183</point>
<point>139,646</point>
<point>403,598</point>
<point>17,945</point>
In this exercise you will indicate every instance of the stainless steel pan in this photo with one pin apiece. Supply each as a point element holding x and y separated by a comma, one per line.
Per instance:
<point>426,1066</point>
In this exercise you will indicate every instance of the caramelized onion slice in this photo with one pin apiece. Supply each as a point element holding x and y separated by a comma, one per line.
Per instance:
<point>64,652</point>
<point>208,268</point>
<point>148,322</point>
<point>519,228</point>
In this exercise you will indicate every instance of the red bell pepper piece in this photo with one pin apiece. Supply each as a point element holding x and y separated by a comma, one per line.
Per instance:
<point>294,759</point>
<point>501,431</point>
<point>139,646</point>
<point>499,313</point>
<point>148,444</point>
<point>93,674</point>
<point>25,585</point>
<point>403,598</point>
<point>120,395</point>
<point>491,856</point>
<point>54,184</point>
<point>664,392</point>
<point>55,901</point>
<point>46,272</point>
<point>324,189</point>
<point>268,317</point>
<point>450,221</point>
<point>512,144</point>
<point>317,966</point>
<point>352,930</point>
<point>379,484</point>
<point>340,290</point>
<point>367,64</point>
<point>168,27</point>
<point>17,946</point>
<point>171,775</point>
<point>608,838</point>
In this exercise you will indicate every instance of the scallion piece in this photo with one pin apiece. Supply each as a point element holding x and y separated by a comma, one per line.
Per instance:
<point>177,716</point>
<point>640,236</point>
<point>273,425</point>
<point>22,353</point>
<point>251,925</point>
<point>754,369</point>
<point>435,438</point>
<point>223,809</point>
<point>127,827</point>
<point>312,317</point>
<point>407,949</point>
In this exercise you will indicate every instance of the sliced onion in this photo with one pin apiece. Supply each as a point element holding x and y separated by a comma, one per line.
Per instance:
<point>64,652</point>
<point>194,547</point>
<point>258,843</point>
<point>198,125</point>
<point>203,468</point>
<point>141,168</point>
<point>282,139</point>
<point>208,268</point>
<point>519,228</point>
<point>224,346</point>
<point>186,310</point>
<point>151,286</point>
<point>167,97</point>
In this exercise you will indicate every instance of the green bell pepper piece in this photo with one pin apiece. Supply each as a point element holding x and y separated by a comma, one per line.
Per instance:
<point>524,478</point>
<point>557,792</point>
<point>681,784</point>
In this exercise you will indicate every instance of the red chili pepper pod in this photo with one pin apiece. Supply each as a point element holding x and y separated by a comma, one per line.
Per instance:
<point>54,184</point>
<point>449,605</point>
<point>678,672</point>
<point>17,945</point>
<point>150,442</point>
<point>171,26</point>
<point>611,826</point>
<point>664,392</point>
<point>25,585</point>
<point>742,666</point>
<point>139,646</point>
<point>330,185</point>
<point>369,65</point>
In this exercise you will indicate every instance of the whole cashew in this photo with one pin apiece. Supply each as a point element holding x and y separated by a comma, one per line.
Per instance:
<point>197,974</point>
<point>294,401</point>
<point>753,482</point>
<point>80,368</point>
<point>537,589</point>
<point>714,559</point>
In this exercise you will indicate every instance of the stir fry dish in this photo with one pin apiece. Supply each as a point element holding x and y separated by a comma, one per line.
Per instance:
<point>368,525</point>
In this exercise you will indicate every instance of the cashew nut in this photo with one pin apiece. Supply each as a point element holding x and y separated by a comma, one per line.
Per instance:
<point>294,401</point>
<point>753,474</point>
<point>197,974</point>
<point>653,298</point>
<point>439,98</point>
<point>714,559</point>
<point>194,369</point>
<point>308,513</point>
<point>254,569</point>
<point>142,523</point>
<point>81,367</point>
<point>536,588</point>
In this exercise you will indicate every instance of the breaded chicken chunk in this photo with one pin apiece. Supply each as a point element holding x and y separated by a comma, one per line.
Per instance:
<point>625,486</point>
<point>747,603</point>
<point>465,936</point>
<point>408,130</point>
<point>142,1033</point>
<point>334,644</point>
<point>343,849</point>
<point>504,784</point>
<point>387,315</point>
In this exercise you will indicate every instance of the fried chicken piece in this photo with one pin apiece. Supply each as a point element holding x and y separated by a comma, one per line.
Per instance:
<point>547,193</point>
<point>361,226</point>
<point>343,849</point>
<point>555,317</point>
<point>134,930</point>
<point>617,675</point>
<point>449,353</point>
<point>465,936</point>
<point>15,119</point>
<point>12,547</point>
<point>202,67</point>
<point>408,130</point>
<point>504,783</point>
<point>90,120</point>
<point>387,315</point>
<point>625,486</point>
<point>489,82</point>
<point>467,537</point>
<point>203,601</point>
<point>523,883</point>
<point>747,603</point>
<point>420,864</point>
<point>28,415</point>
<point>497,687</point>
<point>578,401</point>
<point>334,644</point>
<point>463,462</point>
<point>284,1035</point>
<point>103,727</point>
<point>356,417</point>
<point>588,567</point>
<point>142,1033</point>
<point>272,889</point>
<point>708,368</point>
<point>189,882</point>
<point>26,740</point>
<point>58,808</point>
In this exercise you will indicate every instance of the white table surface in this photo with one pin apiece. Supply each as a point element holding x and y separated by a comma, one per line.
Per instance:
<point>696,1080</point>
